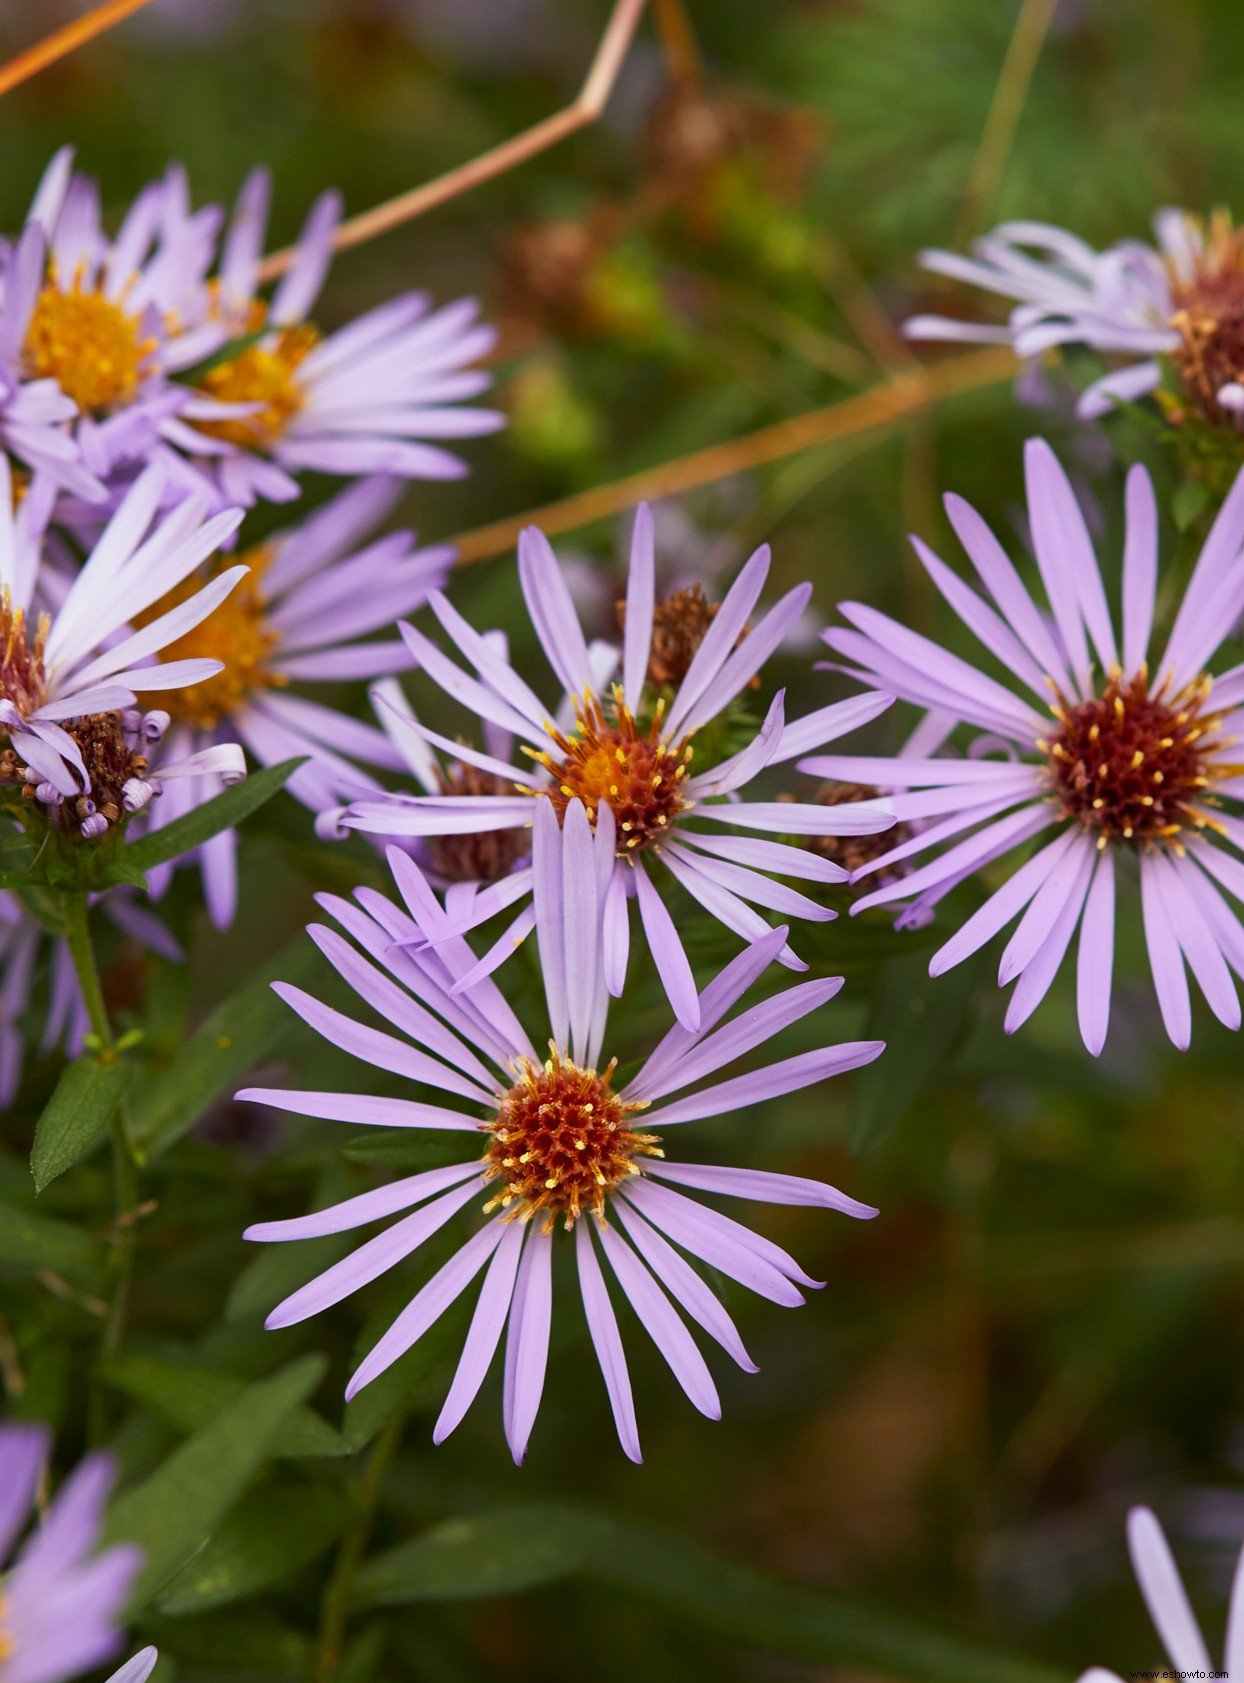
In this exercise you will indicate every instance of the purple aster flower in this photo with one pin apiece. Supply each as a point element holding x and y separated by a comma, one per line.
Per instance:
<point>306,612</point>
<point>1171,1611</point>
<point>1128,762</point>
<point>631,751</point>
<point>1136,303</point>
<point>103,322</point>
<point>559,1142</point>
<point>363,400</point>
<point>60,1603</point>
<point>83,660</point>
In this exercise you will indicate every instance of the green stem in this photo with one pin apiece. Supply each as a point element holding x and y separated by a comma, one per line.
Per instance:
<point>77,926</point>
<point>340,1589</point>
<point>76,908</point>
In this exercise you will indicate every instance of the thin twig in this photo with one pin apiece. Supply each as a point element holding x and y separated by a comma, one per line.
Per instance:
<point>860,305</point>
<point>61,42</point>
<point>1014,79</point>
<point>878,410</point>
<point>579,114</point>
<point>678,39</point>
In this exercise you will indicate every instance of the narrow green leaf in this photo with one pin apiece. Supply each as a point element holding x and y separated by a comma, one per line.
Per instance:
<point>268,1538</point>
<point>191,1397</point>
<point>1187,502</point>
<point>494,1553</point>
<point>175,1511</point>
<point>511,1549</point>
<point>695,1587</point>
<point>37,1242</point>
<point>230,807</point>
<point>403,1148</point>
<point>239,1034</point>
<point>922,1020</point>
<point>77,1116</point>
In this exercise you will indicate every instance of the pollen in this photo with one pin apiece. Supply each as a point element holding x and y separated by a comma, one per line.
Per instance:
<point>561,1142</point>
<point>1209,316</point>
<point>617,765</point>
<point>266,374</point>
<point>237,633</point>
<point>90,345</point>
<point>22,679</point>
<point>1135,764</point>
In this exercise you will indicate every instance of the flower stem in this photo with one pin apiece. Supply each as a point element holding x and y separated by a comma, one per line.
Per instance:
<point>76,910</point>
<point>337,1597</point>
<point>77,927</point>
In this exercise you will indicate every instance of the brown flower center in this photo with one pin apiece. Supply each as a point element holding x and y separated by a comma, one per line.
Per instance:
<point>1137,765</point>
<point>632,772</point>
<point>854,852</point>
<point>237,633</point>
<point>22,679</point>
<point>1209,316</point>
<point>561,1142</point>
<point>487,855</point>
<point>87,343</point>
<point>679,626</point>
<point>266,374</point>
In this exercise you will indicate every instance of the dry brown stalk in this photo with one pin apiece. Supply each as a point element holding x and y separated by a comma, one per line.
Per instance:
<point>1032,25</point>
<point>579,114</point>
<point>878,410</point>
<point>67,40</point>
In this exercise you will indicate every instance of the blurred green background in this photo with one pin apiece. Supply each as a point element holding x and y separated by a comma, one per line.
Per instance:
<point>1045,1324</point>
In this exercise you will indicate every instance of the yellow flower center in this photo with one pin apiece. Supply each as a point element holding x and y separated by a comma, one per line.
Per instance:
<point>632,772</point>
<point>87,343</point>
<point>560,1141</point>
<point>237,634</point>
<point>265,373</point>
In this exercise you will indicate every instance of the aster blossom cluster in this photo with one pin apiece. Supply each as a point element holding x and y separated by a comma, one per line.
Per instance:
<point>639,883</point>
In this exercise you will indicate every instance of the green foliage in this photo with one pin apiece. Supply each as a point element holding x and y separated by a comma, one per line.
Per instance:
<point>76,1118</point>
<point>521,1548</point>
<point>222,812</point>
<point>172,1513</point>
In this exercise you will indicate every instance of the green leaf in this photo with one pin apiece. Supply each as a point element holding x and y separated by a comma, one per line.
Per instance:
<point>173,1513</point>
<point>922,1020</point>
<point>37,1242</point>
<point>496,1553</point>
<point>511,1549</point>
<point>243,1032</point>
<point>77,1116</point>
<point>191,1397</point>
<point>230,807</point>
<point>402,1148</point>
<point>695,1587</point>
<point>1187,502</point>
<point>269,1537</point>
